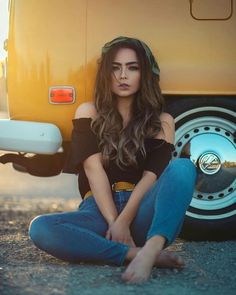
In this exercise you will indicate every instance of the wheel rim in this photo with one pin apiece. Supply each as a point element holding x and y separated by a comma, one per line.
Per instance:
<point>210,142</point>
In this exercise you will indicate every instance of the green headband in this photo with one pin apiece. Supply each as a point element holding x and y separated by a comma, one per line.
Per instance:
<point>136,42</point>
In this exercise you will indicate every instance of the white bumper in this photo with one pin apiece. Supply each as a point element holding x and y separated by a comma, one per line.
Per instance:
<point>30,137</point>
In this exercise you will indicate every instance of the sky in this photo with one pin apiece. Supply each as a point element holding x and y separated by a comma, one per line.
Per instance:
<point>3,26</point>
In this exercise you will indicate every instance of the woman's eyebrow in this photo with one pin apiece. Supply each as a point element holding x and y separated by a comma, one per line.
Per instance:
<point>127,64</point>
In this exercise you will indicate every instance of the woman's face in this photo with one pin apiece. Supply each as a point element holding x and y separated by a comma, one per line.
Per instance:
<point>126,74</point>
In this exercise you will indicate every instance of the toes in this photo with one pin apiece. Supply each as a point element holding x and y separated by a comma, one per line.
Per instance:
<point>132,278</point>
<point>135,280</point>
<point>170,260</point>
<point>127,276</point>
<point>180,262</point>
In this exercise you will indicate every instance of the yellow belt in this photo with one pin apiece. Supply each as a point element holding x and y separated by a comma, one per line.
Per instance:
<point>116,187</point>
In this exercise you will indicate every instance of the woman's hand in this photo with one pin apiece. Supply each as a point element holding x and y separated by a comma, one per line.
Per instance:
<point>119,231</point>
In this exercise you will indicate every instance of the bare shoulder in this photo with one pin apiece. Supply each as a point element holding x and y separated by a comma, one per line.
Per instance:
<point>86,110</point>
<point>168,128</point>
<point>167,119</point>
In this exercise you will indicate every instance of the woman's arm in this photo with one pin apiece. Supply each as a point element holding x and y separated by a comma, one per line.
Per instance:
<point>100,187</point>
<point>130,210</point>
<point>96,174</point>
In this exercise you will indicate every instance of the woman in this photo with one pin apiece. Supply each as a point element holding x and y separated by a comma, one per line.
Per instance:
<point>134,197</point>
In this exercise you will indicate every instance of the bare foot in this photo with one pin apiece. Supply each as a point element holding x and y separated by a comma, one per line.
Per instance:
<point>140,267</point>
<point>168,259</point>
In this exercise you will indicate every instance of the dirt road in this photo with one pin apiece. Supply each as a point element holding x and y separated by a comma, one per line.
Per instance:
<point>25,270</point>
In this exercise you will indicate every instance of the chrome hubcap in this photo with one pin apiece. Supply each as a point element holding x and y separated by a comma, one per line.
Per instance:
<point>209,163</point>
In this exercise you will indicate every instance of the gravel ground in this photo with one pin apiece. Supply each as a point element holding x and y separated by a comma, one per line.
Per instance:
<point>210,266</point>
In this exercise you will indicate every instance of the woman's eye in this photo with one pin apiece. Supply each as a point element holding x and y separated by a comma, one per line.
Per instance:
<point>115,68</point>
<point>133,68</point>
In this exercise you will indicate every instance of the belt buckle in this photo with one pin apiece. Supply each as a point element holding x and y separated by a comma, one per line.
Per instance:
<point>121,189</point>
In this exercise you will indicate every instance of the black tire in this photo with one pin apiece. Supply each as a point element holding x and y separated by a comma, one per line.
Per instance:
<point>205,131</point>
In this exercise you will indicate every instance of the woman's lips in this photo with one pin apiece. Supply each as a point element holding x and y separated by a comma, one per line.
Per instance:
<point>123,86</point>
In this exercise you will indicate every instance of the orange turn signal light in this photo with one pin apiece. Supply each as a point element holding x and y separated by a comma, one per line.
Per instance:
<point>61,95</point>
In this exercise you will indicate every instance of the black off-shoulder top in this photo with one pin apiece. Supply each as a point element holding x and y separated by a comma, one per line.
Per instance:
<point>84,143</point>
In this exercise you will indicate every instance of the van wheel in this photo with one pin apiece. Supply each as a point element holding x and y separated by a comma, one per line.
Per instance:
<point>205,131</point>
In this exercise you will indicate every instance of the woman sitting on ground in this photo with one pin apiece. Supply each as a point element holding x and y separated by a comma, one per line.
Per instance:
<point>134,196</point>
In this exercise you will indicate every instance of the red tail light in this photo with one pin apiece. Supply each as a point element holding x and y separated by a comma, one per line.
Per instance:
<point>61,95</point>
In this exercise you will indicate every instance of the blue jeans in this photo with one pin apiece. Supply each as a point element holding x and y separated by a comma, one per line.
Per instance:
<point>80,235</point>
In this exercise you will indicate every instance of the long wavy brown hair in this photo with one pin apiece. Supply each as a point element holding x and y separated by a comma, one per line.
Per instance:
<point>118,143</point>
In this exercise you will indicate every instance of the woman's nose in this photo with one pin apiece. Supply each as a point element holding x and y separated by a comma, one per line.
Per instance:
<point>123,73</point>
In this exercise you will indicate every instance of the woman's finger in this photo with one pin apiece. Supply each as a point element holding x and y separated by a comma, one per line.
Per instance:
<point>108,235</point>
<point>130,242</point>
<point>133,243</point>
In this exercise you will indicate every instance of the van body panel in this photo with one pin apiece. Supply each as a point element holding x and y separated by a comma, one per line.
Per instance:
<point>46,48</point>
<point>56,42</point>
<point>195,57</point>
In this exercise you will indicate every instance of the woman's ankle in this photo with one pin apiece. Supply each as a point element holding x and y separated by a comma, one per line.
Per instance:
<point>157,242</point>
<point>132,252</point>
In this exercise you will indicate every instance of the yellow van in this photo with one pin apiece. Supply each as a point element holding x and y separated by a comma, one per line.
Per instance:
<point>53,47</point>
